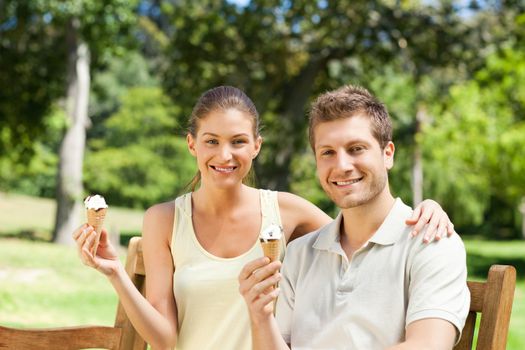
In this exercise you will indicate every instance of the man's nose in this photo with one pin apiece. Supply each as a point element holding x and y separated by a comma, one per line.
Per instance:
<point>344,161</point>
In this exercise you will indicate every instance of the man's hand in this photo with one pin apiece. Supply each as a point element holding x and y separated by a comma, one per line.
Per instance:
<point>256,284</point>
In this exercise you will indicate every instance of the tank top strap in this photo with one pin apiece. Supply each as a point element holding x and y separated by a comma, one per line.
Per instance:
<point>182,214</point>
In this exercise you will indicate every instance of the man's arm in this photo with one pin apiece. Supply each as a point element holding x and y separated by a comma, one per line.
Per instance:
<point>438,296</point>
<point>428,334</point>
<point>256,282</point>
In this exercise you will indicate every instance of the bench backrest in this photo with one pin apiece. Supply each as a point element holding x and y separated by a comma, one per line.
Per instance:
<point>492,300</point>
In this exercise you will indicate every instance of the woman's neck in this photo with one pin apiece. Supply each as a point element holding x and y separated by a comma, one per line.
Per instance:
<point>218,201</point>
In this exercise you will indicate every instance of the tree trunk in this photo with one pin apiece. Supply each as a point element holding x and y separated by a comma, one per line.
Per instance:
<point>69,187</point>
<point>417,167</point>
<point>292,132</point>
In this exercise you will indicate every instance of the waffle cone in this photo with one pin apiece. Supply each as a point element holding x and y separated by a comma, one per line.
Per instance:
<point>96,218</point>
<point>271,249</point>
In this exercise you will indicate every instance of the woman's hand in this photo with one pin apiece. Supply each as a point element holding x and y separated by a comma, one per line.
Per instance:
<point>429,213</point>
<point>106,260</point>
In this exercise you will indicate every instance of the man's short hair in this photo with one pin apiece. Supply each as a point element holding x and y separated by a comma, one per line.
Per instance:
<point>346,102</point>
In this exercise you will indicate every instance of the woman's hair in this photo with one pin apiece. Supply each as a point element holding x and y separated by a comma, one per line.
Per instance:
<point>222,98</point>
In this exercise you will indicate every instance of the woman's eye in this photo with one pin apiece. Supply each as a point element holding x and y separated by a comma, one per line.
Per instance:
<point>212,142</point>
<point>327,153</point>
<point>238,142</point>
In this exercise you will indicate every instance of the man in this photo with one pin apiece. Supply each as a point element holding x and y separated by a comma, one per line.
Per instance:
<point>360,282</point>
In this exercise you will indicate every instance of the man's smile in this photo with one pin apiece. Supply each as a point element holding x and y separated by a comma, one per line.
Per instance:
<point>347,182</point>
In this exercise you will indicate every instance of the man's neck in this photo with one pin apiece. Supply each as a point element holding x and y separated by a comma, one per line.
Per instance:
<point>360,223</point>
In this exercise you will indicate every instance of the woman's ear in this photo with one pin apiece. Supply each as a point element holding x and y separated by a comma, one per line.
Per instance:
<point>191,144</point>
<point>258,144</point>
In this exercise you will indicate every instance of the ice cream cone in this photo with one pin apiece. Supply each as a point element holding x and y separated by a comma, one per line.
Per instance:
<point>271,248</point>
<point>95,218</point>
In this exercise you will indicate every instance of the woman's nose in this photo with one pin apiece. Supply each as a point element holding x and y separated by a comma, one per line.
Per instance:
<point>226,153</point>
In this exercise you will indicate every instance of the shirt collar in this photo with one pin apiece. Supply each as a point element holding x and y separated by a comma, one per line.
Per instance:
<point>394,224</point>
<point>388,233</point>
<point>329,234</point>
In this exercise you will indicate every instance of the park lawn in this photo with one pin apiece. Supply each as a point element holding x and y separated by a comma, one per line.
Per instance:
<point>44,284</point>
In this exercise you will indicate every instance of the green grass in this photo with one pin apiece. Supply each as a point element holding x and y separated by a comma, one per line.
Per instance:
<point>43,284</point>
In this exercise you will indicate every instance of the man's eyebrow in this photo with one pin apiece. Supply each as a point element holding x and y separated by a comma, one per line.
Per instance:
<point>349,143</point>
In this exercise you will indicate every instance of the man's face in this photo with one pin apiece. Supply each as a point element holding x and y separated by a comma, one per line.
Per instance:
<point>352,167</point>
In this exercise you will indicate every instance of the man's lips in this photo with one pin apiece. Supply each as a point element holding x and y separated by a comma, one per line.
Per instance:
<point>347,182</point>
<point>223,169</point>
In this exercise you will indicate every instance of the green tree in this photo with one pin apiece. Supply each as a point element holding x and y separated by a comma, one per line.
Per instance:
<point>77,32</point>
<point>283,53</point>
<point>140,160</point>
<point>477,141</point>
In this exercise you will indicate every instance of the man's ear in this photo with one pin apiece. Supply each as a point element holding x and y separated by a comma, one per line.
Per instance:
<point>258,144</point>
<point>191,144</point>
<point>388,155</point>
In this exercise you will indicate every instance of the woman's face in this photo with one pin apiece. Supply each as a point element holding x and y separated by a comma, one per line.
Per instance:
<point>224,146</point>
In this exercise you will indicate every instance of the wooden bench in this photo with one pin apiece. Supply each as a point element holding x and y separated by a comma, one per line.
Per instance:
<point>492,299</point>
<point>122,336</point>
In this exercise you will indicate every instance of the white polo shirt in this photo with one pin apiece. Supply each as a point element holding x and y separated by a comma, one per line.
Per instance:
<point>328,302</point>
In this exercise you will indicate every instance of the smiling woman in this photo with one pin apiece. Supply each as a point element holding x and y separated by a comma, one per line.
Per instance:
<point>225,146</point>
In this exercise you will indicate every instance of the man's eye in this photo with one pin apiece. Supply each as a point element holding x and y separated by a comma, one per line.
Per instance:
<point>357,149</point>
<point>327,153</point>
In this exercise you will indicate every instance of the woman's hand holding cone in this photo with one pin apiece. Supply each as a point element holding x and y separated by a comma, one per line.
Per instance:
<point>106,259</point>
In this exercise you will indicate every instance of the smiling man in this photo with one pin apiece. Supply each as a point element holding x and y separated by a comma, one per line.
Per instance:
<point>360,282</point>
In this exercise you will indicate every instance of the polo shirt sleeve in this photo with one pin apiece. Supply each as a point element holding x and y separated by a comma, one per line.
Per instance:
<point>286,300</point>
<point>438,282</point>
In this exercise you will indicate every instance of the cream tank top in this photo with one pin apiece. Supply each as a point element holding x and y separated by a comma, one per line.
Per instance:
<point>211,312</point>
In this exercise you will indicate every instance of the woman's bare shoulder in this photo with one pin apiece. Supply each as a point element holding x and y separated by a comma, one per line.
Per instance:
<point>159,220</point>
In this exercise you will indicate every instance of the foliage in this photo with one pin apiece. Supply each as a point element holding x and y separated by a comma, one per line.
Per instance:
<point>480,132</point>
<point>118,74</point>
<point>140,160</point>
<point>284,53</point>
<point>33,37</point>
<point>36,174</point>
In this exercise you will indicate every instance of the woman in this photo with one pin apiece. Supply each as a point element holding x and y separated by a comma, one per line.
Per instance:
<point>194,247</point>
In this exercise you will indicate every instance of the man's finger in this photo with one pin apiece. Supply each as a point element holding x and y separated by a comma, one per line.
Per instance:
<point>253,265</point>
<point>266,271</point>
<point>259,289</point>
